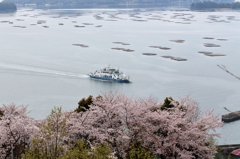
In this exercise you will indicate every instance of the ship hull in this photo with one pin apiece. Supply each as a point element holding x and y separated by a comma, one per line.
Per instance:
<point>110,79</point>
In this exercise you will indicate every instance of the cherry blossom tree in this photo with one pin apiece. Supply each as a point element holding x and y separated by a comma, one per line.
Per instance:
<point>52,142</point>
<point>131,128</point>
<point>16,128</point>
<point>173,132</point>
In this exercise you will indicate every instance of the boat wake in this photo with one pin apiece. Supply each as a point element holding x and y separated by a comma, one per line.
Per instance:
<point>25,69</point>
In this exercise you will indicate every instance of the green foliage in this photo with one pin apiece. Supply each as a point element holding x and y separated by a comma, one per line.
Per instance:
<point>211,141</point>
<point>1,113</point>
<point>138,152</point>
<point>167,103</point>
<point>101,152</point>
<point>52,142</point>
<point>83,104</point>
<point>81,150</point>
<point>36,151</point>
<point>218,156</point>
<point>7,7</point>
<point>78,151</point>
<point>49,142</point>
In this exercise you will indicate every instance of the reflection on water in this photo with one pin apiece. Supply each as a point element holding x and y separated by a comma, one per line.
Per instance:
<point>7,14</point>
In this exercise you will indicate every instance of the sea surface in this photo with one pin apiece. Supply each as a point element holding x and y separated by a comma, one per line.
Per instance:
<point>40,67</point>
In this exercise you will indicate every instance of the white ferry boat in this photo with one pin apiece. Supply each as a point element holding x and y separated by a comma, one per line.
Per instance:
<point>111,74</point>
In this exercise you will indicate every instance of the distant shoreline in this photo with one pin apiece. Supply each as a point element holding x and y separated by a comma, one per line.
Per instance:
<point>82,6</point>
<point>7,7</point>
<point>213,6</point>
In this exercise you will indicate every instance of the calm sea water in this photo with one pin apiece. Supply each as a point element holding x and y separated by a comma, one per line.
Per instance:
<point>40,67</point>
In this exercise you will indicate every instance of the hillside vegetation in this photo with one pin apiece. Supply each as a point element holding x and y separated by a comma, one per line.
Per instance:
<point>111,126</point>
<point>7,7</point>
<point>98,2</point>
<point>213,5</point>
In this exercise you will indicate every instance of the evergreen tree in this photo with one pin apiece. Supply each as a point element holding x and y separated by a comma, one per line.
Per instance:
<point>84,104</point>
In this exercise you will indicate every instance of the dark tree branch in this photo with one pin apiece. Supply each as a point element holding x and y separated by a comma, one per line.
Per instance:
<point>226,70</point>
